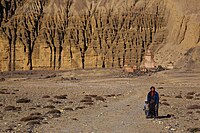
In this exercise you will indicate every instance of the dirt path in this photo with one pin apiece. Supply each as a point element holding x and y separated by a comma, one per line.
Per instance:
<point>121,115</point>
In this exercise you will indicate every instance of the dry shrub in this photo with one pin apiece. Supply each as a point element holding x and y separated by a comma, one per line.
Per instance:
<point>86,100</point>
<point>197,99</point>
<point>193,130</point>
<point>35,122</point>
<point>164,100</point>
<point>89,103</point>
<point>12,108</point>
<point>190,93</point>
<point>32,108</point>
<point>100,98</point>
<point>198,112</point>
<point>56,102</point>
<point>160,88</point>
<point>50,76</point>
<point>2,79</point>
<point>111,95</point>
<point>91,96</point>
<point>50,106</point>
<point>53,113</point>
<point>197,94</point>
<point>193,107</point>
<point>61,97</point>
<point>36,113</point>
<point>23,100</point>
<point>75,119</point>
<point>178,96</point>
<point>189,112</point>
<point>68,109</point>
<point>45,96</point>
<point>2,92</point>
<point>189,97</point>
<point>166,104</point>
<point>31,118</point>
<point>81,107</point>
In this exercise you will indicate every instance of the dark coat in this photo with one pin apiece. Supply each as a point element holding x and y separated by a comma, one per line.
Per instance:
<point>156,97</point>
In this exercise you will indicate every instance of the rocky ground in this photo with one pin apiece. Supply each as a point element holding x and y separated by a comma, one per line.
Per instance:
<point>97,101</point>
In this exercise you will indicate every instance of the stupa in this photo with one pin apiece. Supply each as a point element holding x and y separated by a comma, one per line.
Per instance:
<point>148,61</point>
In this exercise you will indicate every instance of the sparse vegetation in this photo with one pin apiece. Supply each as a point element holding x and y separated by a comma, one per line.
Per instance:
<point>193,107</point>
<point>23,100</point>
<point>178,96</point>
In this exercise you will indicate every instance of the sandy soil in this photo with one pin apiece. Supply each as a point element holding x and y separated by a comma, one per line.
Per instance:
<point>97,101</point>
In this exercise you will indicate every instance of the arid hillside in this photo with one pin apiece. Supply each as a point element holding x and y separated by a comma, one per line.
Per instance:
<point>66,34</point>
<point>181,45</point>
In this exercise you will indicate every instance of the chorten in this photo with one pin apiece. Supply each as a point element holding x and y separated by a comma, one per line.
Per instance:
<point>148,61</point>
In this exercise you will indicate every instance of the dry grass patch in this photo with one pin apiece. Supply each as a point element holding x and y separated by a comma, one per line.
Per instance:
<point>80,107</point>
<point>32,118</point>
<point>12,108</point>
<point>189,97</point>
<point>165,103</point>
<point>68,109</point>
<point>193,107</point>
<point>50,106</point>
<point>178,96</point>
<point>23,100</point>
<point>35,122</point>
<point>190,93</point>
<point>61,97</point>
<point>193,130</point>
<point>53,113</point>
<point>45,96</point>
<point>100,98</point>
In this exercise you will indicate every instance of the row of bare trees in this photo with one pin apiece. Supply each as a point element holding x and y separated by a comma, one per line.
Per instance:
<point>117,36</point>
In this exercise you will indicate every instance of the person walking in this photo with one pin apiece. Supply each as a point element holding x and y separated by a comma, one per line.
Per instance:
<point>153,102</point>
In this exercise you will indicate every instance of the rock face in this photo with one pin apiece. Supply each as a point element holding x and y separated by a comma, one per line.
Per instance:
<point>109,38</point>
<point>183,34</point>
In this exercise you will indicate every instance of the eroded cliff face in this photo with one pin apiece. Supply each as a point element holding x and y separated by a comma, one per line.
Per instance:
<point>106,34</point>
<point>181,35</point>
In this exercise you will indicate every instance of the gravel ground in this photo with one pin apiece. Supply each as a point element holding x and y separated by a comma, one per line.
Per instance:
<point>97,101</point>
